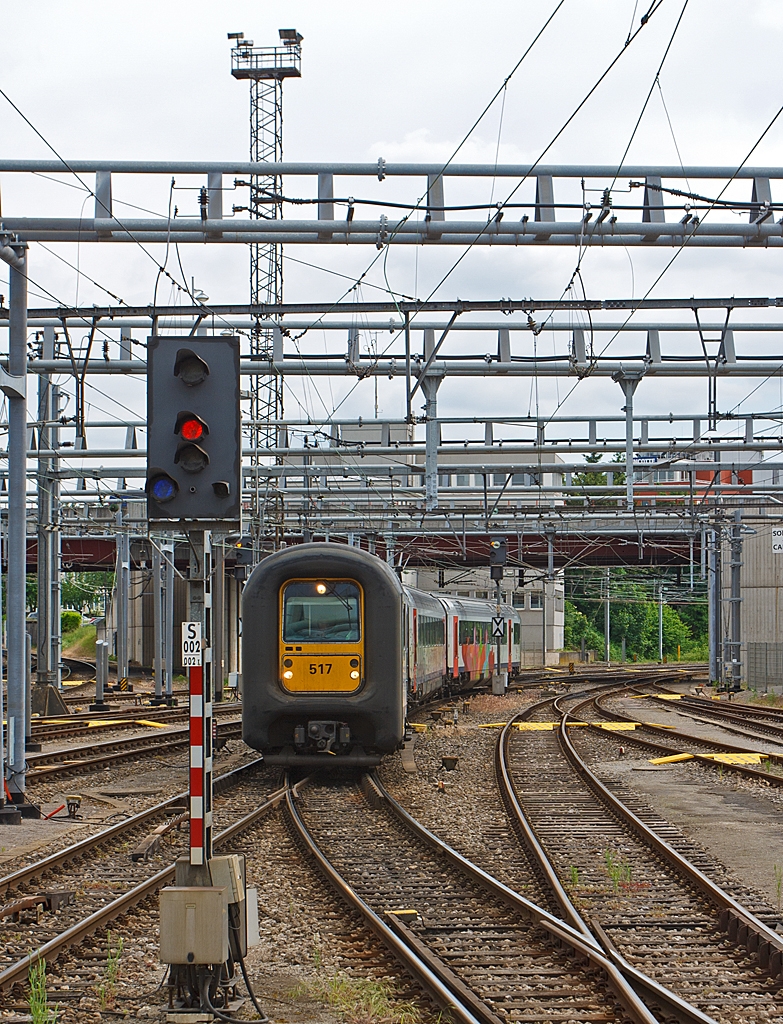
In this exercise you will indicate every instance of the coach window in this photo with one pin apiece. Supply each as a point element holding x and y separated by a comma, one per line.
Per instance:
<point>321,611</point>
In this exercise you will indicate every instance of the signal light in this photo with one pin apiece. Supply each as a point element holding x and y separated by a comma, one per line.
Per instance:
<point>194,446</point>
<point>191,457</point>
<point>162,488</point>
<point>321,588</point>
<point>190,426</point>
<point>190,368</point>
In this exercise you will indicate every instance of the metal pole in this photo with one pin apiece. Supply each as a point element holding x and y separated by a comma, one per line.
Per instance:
<point>168,616</point>
<point>55,548</point>
<point>660,624</point>
<point>543,623</point>
<point>607,619</point>
<point>9,814</point>
<point>43,675</point>
<point>122,584</point>
<point>158,625</point>
<point>28,695</point>
<point>3,817</point>
<point>430,385</point>
<point>218,616</point>
<point>17,527</point>
<point>629,387</point>
<point>735,601</point>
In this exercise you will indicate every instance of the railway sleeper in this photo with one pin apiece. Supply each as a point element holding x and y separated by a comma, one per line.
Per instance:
<point>20,910</point>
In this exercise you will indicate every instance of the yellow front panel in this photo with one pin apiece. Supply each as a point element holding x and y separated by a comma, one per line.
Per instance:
<point>322,636</point>
<point>323,670</point>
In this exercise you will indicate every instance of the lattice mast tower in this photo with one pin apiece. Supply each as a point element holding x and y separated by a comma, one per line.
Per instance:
<point>266,68</point>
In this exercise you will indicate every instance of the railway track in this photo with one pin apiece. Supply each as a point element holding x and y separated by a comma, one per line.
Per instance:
<point>476,946</point>
<point>69,760</point>
<point>666,741</point>
<point>97,882</point>
<point>741,719</point>
<point>642,900</point>
<point>53,728</point>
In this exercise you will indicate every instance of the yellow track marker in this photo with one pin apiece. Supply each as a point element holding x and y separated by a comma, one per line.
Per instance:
<point>671,759</point>
<point>150,723</point>
<point>751,757</point>
<point>668,696</point>
<point>417,727</point>
<point>617,726</point>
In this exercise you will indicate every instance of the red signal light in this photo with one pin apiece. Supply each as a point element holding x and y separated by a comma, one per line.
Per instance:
<point>190,427</point>
<point>192,430</point>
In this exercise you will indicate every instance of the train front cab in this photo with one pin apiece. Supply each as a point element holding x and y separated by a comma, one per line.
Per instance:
<point>321,657</point>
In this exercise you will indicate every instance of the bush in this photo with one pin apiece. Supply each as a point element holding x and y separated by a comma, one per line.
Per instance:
<point>70,620</point>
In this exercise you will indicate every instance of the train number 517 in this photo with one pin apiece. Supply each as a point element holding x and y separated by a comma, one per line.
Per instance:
<point>322,669</point>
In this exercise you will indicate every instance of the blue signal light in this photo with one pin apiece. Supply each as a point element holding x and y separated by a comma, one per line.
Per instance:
<point>163,489</point>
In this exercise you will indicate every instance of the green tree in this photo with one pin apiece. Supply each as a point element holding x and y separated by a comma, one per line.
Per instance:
<point>578,626</point>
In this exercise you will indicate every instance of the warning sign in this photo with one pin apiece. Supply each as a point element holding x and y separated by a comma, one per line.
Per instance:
<point>497,627</point>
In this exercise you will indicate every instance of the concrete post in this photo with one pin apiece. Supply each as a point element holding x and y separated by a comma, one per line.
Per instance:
<point>17,529</point>
<point>101,675</point>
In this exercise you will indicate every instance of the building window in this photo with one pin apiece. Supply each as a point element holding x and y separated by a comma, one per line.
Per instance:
<point>463,480</point>
<point>518,600</point>
<point>498,479</point>
<point>444,480</point>
<point>536,600</point>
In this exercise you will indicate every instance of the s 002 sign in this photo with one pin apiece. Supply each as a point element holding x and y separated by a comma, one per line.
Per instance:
<point>191,644</point>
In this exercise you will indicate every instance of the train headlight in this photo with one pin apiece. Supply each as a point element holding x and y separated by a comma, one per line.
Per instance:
<point>288,674</point>
<point>354,674</point>
<point>320,588</point>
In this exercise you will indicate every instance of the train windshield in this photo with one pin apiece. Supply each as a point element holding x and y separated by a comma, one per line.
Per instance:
<point>321,610</point>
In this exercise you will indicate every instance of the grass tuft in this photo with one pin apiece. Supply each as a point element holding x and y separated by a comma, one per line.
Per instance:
<point>40,1011</point>
<point>360,1000</point>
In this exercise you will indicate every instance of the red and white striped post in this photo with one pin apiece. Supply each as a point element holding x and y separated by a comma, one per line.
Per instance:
<point>195,657</point>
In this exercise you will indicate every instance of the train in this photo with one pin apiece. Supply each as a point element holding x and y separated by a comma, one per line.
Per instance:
<point>336,652</point>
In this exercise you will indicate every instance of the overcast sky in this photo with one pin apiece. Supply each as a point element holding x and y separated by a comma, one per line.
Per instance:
<point>403,81</point>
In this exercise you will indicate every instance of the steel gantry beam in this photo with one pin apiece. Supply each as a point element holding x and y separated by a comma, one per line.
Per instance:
<point>544,205</point>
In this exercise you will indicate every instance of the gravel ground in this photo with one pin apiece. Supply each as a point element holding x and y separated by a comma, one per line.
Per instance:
<point>108,795</point>
<point>736,821</point>
<point>307,936</point>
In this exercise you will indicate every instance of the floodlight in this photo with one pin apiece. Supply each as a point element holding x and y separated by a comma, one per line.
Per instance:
<point>235,35</point>
<point>290,36</point>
